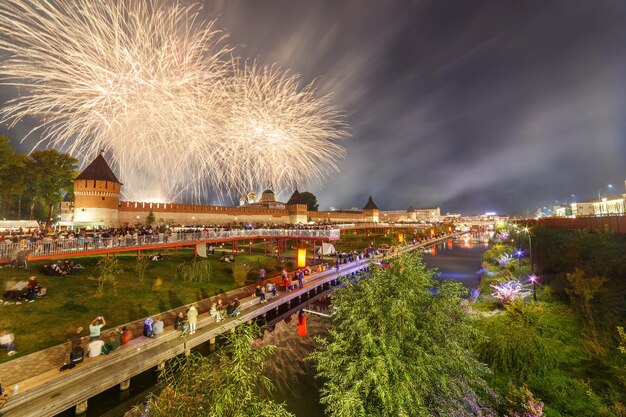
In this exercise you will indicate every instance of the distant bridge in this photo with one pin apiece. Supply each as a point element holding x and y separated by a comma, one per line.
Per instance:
<point>49,248</point>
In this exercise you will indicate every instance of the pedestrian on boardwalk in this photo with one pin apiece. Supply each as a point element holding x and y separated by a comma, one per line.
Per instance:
<point>126,336</point>
<point>77,337</point>
<point>261,274</point>
<point>181,324</point>
<point>192,318</point>
<point>260,292</point>
<point>300,278</point>
<point>215,312</point>
<point>157,326</point>
<point>95,326</point>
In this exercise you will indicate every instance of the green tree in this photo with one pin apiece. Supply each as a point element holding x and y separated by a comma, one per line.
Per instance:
<point>311,201</point>
<point>240,273</point>
<point>397,348</point>
<point>150,219</point>
<point>108,270</point>
<point>141,267</point>
<point>229,383</point>
<point>50,174</point>
<point>12,177</point>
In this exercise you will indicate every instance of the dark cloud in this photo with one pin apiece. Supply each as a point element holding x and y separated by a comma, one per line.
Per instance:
<point>472,106</point>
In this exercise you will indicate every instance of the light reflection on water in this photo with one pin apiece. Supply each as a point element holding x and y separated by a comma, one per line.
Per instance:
<point>458,259</point>
<point>292,375</point>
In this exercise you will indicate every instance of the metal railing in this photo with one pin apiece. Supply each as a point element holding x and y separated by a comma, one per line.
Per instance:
<point>80,244</point>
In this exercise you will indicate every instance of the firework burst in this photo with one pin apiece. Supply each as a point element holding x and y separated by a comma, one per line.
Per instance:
<point>156,87</point>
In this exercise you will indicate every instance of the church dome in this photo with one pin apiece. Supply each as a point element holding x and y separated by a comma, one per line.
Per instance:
<point>268,196</point>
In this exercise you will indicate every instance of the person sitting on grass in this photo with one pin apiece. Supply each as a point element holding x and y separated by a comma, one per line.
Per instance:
<point>7,341</point>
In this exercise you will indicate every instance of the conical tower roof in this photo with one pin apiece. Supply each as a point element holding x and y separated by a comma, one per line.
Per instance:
<point>296,198</point>
<point>370,205</point>
<point>98,170</point>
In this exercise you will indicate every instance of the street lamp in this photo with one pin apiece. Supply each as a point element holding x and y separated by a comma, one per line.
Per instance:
<point>519,253</point>
<point>530,250</point>
<point>533,279</point>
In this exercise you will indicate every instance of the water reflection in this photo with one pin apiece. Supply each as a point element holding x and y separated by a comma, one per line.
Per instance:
<point>459,258</point>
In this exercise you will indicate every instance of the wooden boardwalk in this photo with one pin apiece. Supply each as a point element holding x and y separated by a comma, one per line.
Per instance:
<point>52,392</point>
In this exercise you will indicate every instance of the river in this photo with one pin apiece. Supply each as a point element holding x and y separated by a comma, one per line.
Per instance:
<point>292,375</point>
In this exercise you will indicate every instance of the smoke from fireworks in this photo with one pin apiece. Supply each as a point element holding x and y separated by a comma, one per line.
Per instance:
<point>159,91</point>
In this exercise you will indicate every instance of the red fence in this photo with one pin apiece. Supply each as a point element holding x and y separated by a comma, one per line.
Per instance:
<point>615,224</point>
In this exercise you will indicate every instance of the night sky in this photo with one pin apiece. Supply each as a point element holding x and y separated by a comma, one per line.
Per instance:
<point>472,106</point>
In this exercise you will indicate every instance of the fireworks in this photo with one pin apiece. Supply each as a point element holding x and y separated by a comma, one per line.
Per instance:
<point>157,88</point>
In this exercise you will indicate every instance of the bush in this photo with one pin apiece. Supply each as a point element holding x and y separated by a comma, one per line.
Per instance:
<point>516,346</point>
<point>240,274</point>
<point>196,270</point>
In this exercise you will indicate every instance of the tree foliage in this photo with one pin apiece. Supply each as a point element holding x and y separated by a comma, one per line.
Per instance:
<point>311,201</point>
<point>150,218</point>
<point>141,267</point>
<point>515,344</point>
<point>195,270</point>
<point>240,273</point>
<point>108,270</point>
<point>229,383</point>
<point>402,346</point>
<point>40,178</point>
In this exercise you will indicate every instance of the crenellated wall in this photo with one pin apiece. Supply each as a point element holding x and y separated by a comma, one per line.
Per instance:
<point>131,212</point>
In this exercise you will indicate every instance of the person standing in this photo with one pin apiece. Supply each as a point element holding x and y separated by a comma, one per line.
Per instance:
<point>261,274</point>
<point>192,318</point>
<point>300,278</point>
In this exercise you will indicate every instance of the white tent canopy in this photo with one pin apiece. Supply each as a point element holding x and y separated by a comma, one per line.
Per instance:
<point>326,249</point>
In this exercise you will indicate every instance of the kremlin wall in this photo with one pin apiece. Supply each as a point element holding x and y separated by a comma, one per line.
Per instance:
<point>97,192</point>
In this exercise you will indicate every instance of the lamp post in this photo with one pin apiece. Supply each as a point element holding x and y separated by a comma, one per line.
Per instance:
<point>533,279</point>
<point>530,250</point>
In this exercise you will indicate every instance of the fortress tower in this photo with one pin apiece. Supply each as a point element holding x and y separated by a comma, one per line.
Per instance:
<point>297,209</point>
<point>370,211</point>
<point>96,195</point>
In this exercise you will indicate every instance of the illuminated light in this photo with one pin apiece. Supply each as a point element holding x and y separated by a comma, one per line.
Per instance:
<point>401,238</point>
<point>301,257</point>
<point>533,278</point>
<point>432,232</point>
<point>449,229</point>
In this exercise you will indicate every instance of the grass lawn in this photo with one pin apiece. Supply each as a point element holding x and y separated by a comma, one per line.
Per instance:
<point>71,300</point>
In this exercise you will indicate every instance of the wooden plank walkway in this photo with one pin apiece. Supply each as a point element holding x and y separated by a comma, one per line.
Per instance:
<point>52,392</point>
